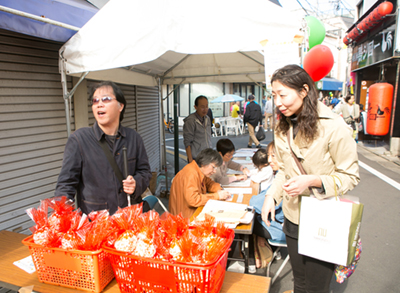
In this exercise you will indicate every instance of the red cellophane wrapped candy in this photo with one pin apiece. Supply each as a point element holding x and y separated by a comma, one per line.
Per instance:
<point>147,225</point>
<point>94,233</point>
<point>124,237</point>
<point>204,241</point>
<point>70,239</point>
<point>60,220</point>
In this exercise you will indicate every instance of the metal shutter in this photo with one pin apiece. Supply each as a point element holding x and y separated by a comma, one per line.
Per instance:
<point>32,125</point>
<point>148,121</point>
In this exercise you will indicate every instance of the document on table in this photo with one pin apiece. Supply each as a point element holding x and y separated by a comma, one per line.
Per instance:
<point>244,162</point>
<point>244,150</point>
<point>227,212</point>
<point>26,264</point>
<point>238,190</point>
<point>234,172</point>
<point>241,183</point>
<point>243,154</point>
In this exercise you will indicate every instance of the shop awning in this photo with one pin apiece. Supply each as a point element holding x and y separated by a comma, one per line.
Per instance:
<point>69,12</point>
<point>329,84</point>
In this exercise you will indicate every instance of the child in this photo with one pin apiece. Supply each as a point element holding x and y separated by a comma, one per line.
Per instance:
<point>226,149</point>
<point>263,251</point>
<point>263,173</point>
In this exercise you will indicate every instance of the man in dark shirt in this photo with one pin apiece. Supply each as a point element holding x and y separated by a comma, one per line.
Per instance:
<point>86,170</point>
<point>252,117</point>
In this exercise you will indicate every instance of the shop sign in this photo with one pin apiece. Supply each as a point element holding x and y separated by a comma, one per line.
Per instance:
<point>380,47</point>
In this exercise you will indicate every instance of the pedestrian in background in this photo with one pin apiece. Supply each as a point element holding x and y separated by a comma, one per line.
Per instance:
<point>268,115</point>
<point>350,112</point>
<point>210,115</point>
<point>253,118</point>
<point>323,144</point>
<point>197,129</point>
<point>235,111</point>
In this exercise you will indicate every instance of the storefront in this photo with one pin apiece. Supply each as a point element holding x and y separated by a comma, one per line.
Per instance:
<point>375,62</point>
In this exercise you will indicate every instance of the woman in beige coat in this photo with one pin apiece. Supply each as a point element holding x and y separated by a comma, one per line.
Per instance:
<point>323,144</point>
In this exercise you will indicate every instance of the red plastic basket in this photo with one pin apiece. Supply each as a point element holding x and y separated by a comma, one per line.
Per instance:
<point>136,274</point>
<point>78,269</point>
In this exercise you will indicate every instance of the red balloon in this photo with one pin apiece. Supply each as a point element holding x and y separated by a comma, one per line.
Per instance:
<point>318,62</point>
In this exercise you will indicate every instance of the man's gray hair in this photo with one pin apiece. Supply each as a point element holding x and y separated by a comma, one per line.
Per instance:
<point>208,156</point>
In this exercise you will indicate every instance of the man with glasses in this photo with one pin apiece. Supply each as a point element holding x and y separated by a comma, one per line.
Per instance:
<point>197,129</point>
<point>192,187</point>
<point>87,167</point>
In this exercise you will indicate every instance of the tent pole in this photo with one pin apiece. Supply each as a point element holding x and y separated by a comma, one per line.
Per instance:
<point>164,157</point>
<point>176,129</point>
<point>65,96</point>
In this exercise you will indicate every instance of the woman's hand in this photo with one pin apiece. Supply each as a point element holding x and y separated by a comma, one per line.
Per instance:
<point>268,208</point>
<point>223,194</point>
<point>296,185</point>
<point>129,185</point>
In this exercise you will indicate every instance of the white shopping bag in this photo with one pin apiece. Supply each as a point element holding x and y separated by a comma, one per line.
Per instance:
<point>329,229</point>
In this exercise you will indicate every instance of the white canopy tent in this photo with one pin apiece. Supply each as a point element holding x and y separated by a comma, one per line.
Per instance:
<point>158,42</point>
<point>199,41</point>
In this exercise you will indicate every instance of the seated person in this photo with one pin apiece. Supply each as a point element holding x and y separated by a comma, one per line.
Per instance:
<point>263,173</point>
<point>261,230</point>
<point>226,149</point>
<point>192,187</point>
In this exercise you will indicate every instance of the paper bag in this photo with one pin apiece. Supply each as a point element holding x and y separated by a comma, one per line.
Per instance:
<point>329,229</point>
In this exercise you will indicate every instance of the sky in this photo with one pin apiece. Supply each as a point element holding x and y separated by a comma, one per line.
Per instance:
<point>320,6</point>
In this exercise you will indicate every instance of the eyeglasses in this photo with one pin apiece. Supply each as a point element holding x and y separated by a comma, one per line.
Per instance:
<point>214,167</point>
<point>105,100</point>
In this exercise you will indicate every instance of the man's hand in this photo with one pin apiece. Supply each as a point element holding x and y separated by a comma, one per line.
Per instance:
<point>129,185</point>
<point>223,194</point>
<point>245,171</point>
<point>241,177</point>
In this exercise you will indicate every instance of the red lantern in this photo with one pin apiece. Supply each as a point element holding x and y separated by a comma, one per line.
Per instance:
<point>318,62</point>
<point>380,100</point>
<point>384,8</point>
<point>371,20</point>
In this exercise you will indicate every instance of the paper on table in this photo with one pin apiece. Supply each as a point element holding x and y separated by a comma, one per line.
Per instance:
<point>234,172</point>
<point>225,211</point>
<point>238,190</point>
<point>246,150</point>
<point>243,154</point>
<point>242,183</point>
<point>26,264</point>
<point>243,162</point>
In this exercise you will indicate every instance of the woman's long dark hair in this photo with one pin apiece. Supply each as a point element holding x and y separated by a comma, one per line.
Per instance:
<point>295,77</point>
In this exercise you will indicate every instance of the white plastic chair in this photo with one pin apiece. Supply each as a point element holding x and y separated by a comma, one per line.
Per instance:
<point>239,122</point>
<point>278,244</point>
<point>231,124</point>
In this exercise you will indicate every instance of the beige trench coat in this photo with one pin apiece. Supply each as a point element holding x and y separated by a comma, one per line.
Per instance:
<point>333,152</point>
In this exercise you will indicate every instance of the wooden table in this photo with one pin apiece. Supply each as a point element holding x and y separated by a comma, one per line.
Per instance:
<point>244,231</point>
<point>13,278</point>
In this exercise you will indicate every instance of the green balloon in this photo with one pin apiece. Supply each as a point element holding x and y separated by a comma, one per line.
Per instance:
<point>316,31</point>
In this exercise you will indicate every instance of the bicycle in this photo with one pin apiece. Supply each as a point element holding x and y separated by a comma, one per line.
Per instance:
<point>170,125</point>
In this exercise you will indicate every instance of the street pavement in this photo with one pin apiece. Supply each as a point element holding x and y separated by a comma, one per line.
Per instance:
<point>379,190</point>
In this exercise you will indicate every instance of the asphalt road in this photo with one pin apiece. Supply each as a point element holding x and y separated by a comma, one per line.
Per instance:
<point>379,190</point>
